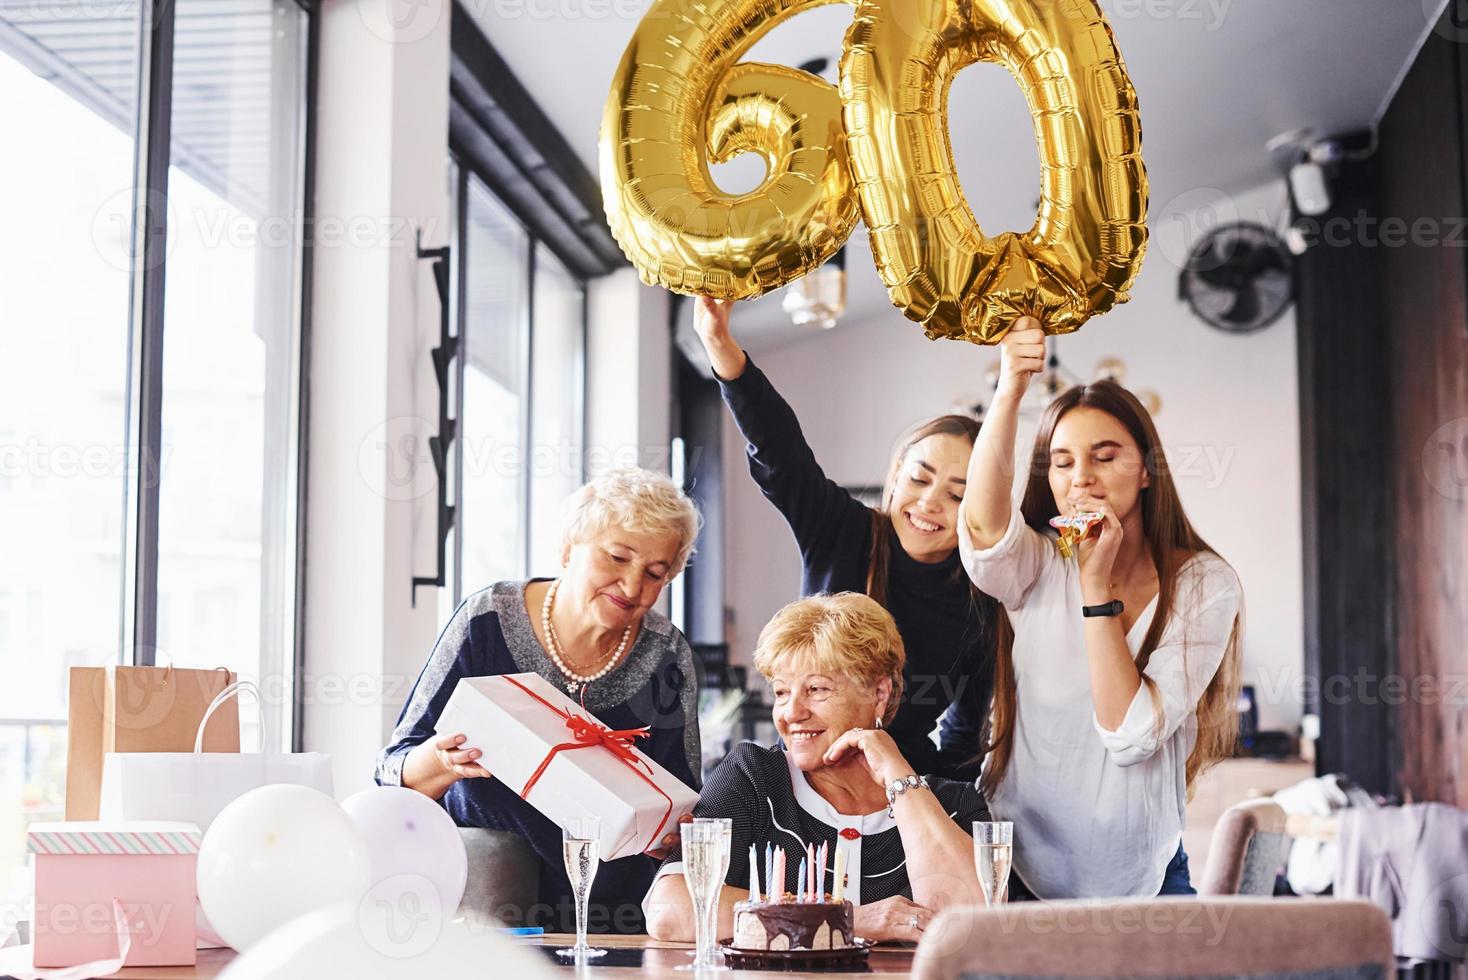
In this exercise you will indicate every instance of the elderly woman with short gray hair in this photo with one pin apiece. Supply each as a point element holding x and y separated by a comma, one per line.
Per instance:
<point>593,632</point>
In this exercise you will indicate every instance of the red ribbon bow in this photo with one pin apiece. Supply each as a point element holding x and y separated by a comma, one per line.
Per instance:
<point>588,733</point>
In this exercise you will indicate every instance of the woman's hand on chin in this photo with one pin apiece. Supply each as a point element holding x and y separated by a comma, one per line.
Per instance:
<point>883,758</point>
<point>895,919</point>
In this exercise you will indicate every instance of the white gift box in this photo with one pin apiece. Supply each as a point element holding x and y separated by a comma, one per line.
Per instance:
<point>519,721</point>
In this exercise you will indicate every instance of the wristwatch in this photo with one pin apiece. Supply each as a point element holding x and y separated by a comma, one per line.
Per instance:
<point>1112,608</point>
<point>901,785</point>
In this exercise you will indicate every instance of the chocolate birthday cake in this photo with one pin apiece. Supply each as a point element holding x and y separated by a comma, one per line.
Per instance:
<point>792,925</point>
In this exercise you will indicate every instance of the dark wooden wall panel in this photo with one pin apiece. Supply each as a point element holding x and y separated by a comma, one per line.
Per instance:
<point>1383,348</point>
<point>1422,160</point>
<point>1345,408</point>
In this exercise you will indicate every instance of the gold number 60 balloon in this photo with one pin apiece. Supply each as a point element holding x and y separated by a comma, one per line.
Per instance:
<point>678,93</point>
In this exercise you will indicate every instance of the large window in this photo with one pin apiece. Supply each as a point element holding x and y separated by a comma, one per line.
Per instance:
<point>226,527</point>
<point>75,177</point>
<point>523,326</point>
<point>65,193</point>
<point>496,323</point>
<point>556,410</point>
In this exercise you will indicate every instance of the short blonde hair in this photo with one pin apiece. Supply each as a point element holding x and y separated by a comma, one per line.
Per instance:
<point>636,500</point>
<point>847,633</point>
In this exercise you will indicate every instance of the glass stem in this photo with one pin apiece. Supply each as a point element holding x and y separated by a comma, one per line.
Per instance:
<point>704,935</point>
<point>581,910</point>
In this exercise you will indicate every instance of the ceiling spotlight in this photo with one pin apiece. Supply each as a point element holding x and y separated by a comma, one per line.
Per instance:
<point>819,296</point>
<point>1309,184</point>
<point>1111,369</point>
<point>1308,188</point>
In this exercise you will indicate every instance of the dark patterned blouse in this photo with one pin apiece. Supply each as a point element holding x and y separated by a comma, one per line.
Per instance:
<point>770,801</point>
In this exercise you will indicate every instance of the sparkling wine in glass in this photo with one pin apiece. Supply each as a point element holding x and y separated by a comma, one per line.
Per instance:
<point>726,827</point>
<point>705,864</point>
<point>993,854</point>
<point>581,848</point>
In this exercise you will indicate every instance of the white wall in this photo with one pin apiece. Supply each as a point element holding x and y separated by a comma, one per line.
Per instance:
<point>382,129</point>
<point>628,374</point>
<point>1229,421</point>
<point>629,370</point>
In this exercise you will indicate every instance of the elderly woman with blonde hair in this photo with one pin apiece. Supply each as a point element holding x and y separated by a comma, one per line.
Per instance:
<point>592,631</point>
<point>834,664</point>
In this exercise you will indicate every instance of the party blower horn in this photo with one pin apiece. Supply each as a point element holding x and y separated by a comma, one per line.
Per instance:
<point>1074,529</point>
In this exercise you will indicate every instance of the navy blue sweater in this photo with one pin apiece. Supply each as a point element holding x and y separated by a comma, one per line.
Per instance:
<point>948,635</point>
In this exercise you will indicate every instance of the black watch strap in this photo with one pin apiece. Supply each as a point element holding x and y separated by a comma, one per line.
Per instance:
<point>1112,608</point>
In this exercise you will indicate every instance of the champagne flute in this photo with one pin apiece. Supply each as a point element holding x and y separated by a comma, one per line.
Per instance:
<point>993,854</point>
<point>581,849</point>
<point>705,864</point>
<point>726,827</point>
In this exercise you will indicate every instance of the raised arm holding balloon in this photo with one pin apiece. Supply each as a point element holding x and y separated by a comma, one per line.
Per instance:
<point>903,553</point>
<point>1124,652</point>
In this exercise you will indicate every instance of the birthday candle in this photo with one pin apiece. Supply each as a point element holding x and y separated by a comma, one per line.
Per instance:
<point>778,888</point>
<point>753,875</point>
<point>838,887</point>
<point>770,872</point>
<point>821,874</point>
<point>810,883</point>
<point>800,883</point>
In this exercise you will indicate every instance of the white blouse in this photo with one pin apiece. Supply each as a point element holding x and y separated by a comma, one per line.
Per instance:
<point>1097,813</point>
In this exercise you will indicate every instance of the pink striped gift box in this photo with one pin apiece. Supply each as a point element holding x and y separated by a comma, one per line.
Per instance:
<point>105,886</point>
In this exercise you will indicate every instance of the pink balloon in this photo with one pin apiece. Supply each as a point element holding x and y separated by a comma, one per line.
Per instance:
<point>416,854</point>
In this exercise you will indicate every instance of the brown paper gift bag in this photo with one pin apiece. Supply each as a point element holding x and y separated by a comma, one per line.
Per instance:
<point>139,709</point>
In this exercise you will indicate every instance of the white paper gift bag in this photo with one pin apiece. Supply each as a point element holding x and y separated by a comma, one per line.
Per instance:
<point>195,786</point>
<point>563,761</point>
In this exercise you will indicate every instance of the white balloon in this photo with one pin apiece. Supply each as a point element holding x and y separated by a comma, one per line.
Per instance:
<point>416,851</point>
<point>275,854</point>
<point>349,941</point>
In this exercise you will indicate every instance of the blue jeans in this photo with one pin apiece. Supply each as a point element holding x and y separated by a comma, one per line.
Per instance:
<point>1175,880</point>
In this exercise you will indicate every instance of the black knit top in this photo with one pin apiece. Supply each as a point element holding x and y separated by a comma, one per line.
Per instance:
<point>770,803</point>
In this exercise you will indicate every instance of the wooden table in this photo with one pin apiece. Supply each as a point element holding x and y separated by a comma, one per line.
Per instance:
<point>628,957</point>
<point>658,959</point>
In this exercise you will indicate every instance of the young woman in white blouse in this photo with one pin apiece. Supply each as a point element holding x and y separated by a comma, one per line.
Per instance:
<point>1118,669</point>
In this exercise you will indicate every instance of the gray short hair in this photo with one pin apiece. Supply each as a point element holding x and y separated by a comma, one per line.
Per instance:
<point>636,500</point>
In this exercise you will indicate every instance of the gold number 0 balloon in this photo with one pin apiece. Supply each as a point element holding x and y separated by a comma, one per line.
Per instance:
<point>1086,246</point>
<point>680,100</point>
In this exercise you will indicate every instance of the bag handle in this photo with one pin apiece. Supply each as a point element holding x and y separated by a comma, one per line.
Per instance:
<point>230,691</point>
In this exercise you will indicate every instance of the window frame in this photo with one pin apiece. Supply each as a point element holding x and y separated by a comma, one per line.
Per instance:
<point>465,169</point>
<point>147,331</point>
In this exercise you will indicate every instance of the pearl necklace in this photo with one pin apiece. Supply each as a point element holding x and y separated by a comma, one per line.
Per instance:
<point>574,680</point>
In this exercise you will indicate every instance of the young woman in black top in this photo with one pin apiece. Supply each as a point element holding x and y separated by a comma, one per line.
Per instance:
<point>903,554</point>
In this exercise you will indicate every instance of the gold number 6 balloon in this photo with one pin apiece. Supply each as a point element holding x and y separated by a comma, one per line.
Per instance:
<point>679,99</point>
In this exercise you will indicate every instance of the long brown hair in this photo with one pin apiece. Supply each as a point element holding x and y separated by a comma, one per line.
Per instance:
<point>880,557</point>
<point>1171,541</point>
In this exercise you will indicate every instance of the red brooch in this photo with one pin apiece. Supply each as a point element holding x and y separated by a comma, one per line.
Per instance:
<point>850,833</point>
